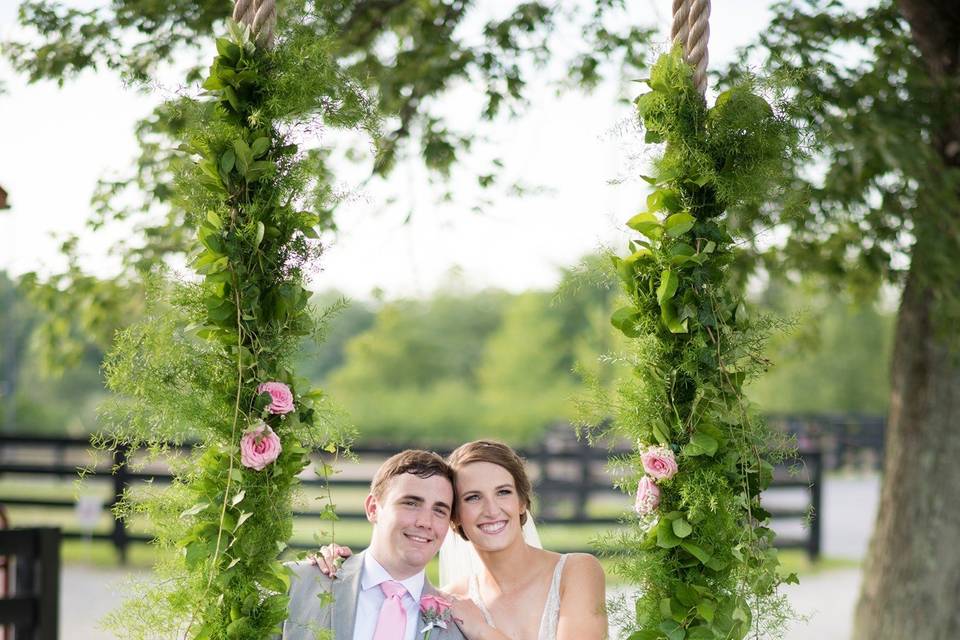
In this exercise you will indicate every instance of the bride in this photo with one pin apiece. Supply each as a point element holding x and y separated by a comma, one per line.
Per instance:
<point>503,586</point>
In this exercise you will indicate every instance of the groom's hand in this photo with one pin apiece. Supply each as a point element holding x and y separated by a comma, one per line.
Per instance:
<point>330,558</point>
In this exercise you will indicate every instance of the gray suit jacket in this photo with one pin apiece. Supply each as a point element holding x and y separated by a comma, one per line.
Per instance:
<point>308,616</point>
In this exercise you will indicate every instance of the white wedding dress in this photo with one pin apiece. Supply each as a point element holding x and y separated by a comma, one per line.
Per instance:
<point>458,559</point>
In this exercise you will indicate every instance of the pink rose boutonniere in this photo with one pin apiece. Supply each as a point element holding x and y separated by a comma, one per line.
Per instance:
<point>436,612</point>
<point>648,496</point>
<point>259,447</point>
<point>281,398</point>
<point>659,463</point>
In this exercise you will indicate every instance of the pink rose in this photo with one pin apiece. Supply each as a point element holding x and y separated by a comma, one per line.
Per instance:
<point>436,612</point>
<point>659,462</point>
<point>259,447</point>
<point>281,398</point>
<point>648,496</point>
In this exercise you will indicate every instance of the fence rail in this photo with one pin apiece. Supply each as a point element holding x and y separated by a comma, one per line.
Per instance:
<point>571,481</point>
<point>32,607</point>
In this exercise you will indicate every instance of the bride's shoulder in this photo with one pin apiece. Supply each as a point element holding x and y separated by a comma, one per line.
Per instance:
<point>582,569</point>
<point>458,588</point>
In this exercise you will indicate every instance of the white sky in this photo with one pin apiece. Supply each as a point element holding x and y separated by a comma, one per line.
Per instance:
<point>55,143</point>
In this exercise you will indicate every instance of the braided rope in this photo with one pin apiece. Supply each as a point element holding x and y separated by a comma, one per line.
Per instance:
<point>699,35</point>
<point>680,29</point>
<point>691,28</point>
<point>260,16</point>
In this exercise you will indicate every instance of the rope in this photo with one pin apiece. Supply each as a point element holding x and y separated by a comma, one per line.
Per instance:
<point>691,28</point>
<point>680,29</point>
<point>699,23</point>
<point>260,16</point>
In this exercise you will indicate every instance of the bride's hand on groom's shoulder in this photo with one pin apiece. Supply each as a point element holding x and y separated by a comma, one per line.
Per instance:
<point>329,558</point>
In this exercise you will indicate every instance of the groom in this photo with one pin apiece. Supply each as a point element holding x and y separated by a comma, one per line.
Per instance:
<point>376,593</point>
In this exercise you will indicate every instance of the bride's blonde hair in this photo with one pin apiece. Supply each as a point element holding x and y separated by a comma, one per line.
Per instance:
<point>501,455</point>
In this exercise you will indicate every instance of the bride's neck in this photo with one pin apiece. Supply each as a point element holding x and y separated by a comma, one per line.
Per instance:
<point>508,567</point>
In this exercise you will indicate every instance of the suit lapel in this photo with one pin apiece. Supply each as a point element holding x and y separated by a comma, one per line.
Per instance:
<point>346,590</point>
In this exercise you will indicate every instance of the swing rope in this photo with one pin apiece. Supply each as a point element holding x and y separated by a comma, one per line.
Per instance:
<point>260,16</point>
<point>691,28</point>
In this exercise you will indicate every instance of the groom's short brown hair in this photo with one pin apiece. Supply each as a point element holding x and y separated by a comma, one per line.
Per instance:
<point>423,464</point>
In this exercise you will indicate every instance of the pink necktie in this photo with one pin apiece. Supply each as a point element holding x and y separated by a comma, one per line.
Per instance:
<point>392,623</point>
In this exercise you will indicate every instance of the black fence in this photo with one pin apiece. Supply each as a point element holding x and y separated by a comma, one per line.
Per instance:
<point>852,442</point>
<point>571,480</point>
<point>29,603</point>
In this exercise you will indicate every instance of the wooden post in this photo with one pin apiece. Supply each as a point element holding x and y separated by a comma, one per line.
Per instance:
<point>121,480</point>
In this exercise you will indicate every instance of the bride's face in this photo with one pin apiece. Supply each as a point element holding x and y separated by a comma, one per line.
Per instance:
<point>488,505</point>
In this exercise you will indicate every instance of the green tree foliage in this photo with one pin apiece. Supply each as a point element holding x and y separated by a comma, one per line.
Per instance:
<point>30,400</point>
<point>834,358</point>
<point>413,374</point>
<point>522,380</point>
<point>877,186</point>
<point>884,206</point>
<point>407,54</point>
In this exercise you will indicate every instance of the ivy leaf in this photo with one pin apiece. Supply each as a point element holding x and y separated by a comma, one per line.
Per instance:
<point>682,528</point>
<point>687,595</point>
<point>244,155</point>
<point>678,224</point>
<point>673,630</point>
<point>664,199</point>
<point>696,551</point>
<point>647,224</point>
<point>244,516</point>
<point>625,319</point>
<point>701,444</point>
<point>668,286</point>
<point>329,513</point>
<point>707,608</point>
<point>195,509</point>
<point>260,146</point>
<point>232,97</point>
<point>681,253</point>
<point>666,538</point>
<point>197,552</point>
<point>668,315</point>
<point>227,161</point>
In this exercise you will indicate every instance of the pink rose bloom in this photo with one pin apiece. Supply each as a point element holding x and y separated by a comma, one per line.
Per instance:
<point>281,398</point>
<point>659,462</point>
<point>259,447</point>
<point>436,612</point>
<point>648,496</point>
<point>434,605</point>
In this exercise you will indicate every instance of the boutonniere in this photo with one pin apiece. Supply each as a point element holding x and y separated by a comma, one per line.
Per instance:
<point>436,612</point>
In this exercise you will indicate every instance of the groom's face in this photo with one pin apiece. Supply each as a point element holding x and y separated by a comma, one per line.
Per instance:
<point>410,520</point>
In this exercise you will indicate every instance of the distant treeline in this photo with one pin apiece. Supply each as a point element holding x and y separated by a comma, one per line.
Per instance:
<point>463,363</point>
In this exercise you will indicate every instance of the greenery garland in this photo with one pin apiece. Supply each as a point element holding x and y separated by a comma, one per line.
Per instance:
<point>701,549</point>
<point>212,359</point>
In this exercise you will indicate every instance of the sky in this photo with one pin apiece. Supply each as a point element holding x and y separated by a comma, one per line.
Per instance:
<point>57,142</point>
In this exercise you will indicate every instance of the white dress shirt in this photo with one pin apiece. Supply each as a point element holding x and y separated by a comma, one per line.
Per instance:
<point>371,599</point>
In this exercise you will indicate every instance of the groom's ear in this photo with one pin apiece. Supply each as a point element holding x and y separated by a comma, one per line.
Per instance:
<point>371,507</point>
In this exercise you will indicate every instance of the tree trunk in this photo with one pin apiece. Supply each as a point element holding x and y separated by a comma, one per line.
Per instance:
<point>911,585</point>
<point>911,581</point>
